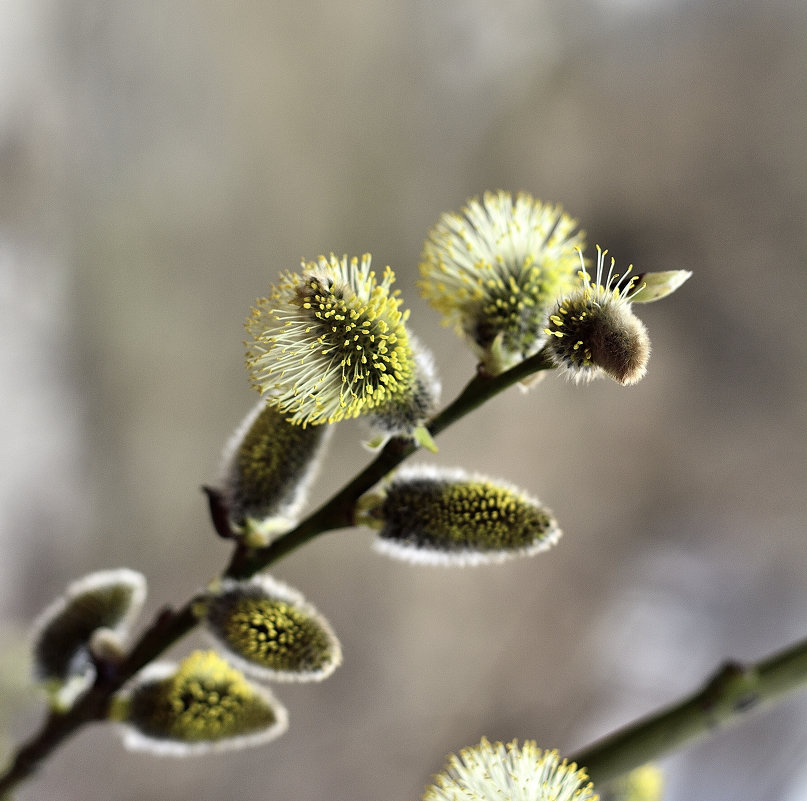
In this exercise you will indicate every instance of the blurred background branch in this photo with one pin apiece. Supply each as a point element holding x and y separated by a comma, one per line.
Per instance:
<point>734,690</point>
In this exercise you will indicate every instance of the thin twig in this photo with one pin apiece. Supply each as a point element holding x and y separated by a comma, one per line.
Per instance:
<point>733,692</point>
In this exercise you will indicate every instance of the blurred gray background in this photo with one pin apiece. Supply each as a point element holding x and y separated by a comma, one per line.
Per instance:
<point>162,162</point>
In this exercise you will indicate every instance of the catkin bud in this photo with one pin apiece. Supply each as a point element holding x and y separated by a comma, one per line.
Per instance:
<point>270,631</point>
<point>499,771</point>
<point>446,517</point>
<point>593,330</point>
<point>64,632</point>
<point>269,464</point>
<point>645,783</point>
<point>200,706</point>
<point>494,270</point>
<point>330,343</point>
<point>409,410</point>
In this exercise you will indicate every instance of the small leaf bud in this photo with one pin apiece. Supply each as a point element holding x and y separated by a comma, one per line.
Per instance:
<point>270,631</point>
<point>657,285</point>
<point>447,517</point>
<point>202,705</point>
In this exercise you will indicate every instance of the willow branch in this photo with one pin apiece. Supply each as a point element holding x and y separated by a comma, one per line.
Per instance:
<point>93,705</point>
<point>733,692</point>
<point>171,625</point>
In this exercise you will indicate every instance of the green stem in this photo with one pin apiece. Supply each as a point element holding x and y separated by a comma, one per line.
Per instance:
<point>170,625</point>
<point>726,698</point>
